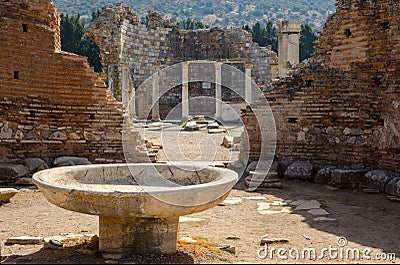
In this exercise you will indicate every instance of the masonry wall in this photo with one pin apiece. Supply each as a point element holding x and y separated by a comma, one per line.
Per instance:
<point>342,106</point>
<point>51,102</point>
<point>161,42</point>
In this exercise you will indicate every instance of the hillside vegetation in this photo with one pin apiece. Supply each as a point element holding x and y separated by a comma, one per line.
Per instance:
<point>215,13</point>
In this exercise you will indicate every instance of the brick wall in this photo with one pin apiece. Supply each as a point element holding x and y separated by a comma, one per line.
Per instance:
<point>51,102</point>
<point>342,105</point>
<point>122,39</point>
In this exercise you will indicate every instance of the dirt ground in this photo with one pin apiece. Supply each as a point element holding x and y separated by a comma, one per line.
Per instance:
<point>369,222</point>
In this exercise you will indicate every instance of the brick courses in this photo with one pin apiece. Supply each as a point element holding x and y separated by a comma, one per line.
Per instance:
<point>51,102</point>
<point>342,105</point>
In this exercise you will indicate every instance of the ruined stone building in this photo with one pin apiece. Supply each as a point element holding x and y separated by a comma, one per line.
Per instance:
<point>341,106</point>
<point>129,48</point>
<point>51,102</point>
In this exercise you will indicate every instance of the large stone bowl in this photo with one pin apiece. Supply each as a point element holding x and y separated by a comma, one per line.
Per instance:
<point>138,204</point>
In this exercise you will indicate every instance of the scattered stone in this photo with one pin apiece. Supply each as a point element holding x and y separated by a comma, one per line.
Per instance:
<point>348,176</point>
<point>228,141</point>
<point>370,191</point>
<point>378,179</point>
<point>299,170</point>
<point>323,175</point>
<point>266,240</point>
<point>393,198</point>
<point>393,187</point>
<point>55,243</point>
<point>24,240</point>
<point>306,237</point>
<point>318,212</point>
<point>70,161</point>
<point>255,198</point>
<point>213,125</point>
<point>324,219</point>
<point>35,164</point>
<point>228,248</point>
<point>24,182</point>
<point>231,201</point>
<point>10,172</point>
<point>308,205</point>
<point>191,126</point>
<point>187,240</point>
<point>6,194</point>
<point>282,165</point>
<point>331,188</point>
<point>216,131</point>
<point>233,238</point>
<point>186,219</point>
<point>268,208</point>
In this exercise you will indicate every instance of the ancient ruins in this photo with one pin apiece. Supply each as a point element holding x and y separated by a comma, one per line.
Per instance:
<point>336,116</point>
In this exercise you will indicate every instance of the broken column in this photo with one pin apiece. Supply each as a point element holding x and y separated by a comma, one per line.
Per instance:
<point>288,46</point>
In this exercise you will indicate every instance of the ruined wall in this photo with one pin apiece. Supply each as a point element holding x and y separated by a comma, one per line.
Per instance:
<point>159,41</point>
<point>51,102</point>
<point>342,106</point>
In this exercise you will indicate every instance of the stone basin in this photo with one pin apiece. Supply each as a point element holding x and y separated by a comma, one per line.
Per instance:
<point>138,204</point>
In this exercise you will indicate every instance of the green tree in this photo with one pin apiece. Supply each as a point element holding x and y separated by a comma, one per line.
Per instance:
<point>307,38</point>
<point>264,36</point>
<point>190,24</point>
<point>73,39</point>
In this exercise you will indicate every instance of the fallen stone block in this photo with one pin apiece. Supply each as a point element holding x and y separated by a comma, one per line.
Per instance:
<point>24,182</point>
<point>324,219</point>
<point>187,240</point>
<point>370,191</point>
<point>318,212</point>
<point>393,198</point>
<point>213,125</point>
<point>267,240</point>
<point>10,172</point>
<point>231,201</point>
<point>393,187</point>
<point>191,126</point>
<point>227,141</point>
<point>324,175</point>
<point>348,176</point>
<point>308,205</point>
<point>378,179</point>
<point>299,170</point>
<point>70,161</point>
<point>35,164</point>
<point>228,248</point>
<point>24,240</point>
<point>6,194</point>
<point>216,131</point>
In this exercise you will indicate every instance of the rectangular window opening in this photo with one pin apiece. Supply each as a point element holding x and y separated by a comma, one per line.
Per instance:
<point>25,27</point>
<point>16,74</point>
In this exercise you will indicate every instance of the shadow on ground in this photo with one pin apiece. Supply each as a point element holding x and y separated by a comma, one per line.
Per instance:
<point>367,219</point>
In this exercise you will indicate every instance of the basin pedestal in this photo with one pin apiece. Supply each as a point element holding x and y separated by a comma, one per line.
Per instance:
<point>132,235</point>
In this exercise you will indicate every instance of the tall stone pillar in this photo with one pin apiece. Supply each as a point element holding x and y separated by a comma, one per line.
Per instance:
<point>124,83</point>
<point>156,106</point>
<point>288,46</point>
<point>247,84</point>
<point>185,91</point>
<point>218,91</point>
<point>132,96</point>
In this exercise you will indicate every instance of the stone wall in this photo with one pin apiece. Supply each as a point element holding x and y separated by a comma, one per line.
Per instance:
<point>342,105</point>
<point>123,40</point>
<point>51,102</point>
